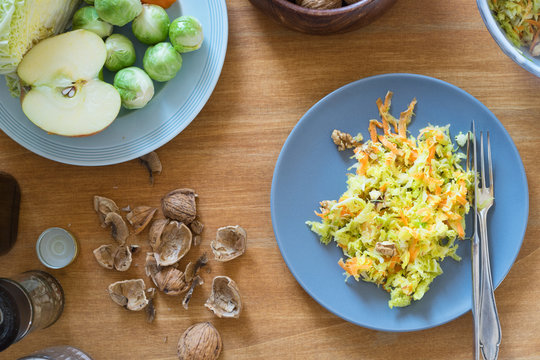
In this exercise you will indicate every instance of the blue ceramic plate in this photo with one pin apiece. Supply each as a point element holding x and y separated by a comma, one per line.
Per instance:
<point>310,169</point>
<point>134,133</point>
<point>520,56</point>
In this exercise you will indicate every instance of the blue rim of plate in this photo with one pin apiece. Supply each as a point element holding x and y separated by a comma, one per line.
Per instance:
<point>284,239</point>
<point>47,146</point>
<point>519,56</point>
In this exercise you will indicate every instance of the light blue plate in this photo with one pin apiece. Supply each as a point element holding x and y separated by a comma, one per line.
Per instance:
<point>137,132</point>
<point>310,169</point>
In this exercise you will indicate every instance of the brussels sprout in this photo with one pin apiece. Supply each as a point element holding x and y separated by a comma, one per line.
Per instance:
<point>88,19</point>
<point>152,25</point>
<point>135,87</point>
<point>186,34</point>
<point>118,12</point>
<point>120,52</point>
<point>161,62</point>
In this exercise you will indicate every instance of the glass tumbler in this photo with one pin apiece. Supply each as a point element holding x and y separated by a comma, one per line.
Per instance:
<point>58,353</point>
<point>29,301</point>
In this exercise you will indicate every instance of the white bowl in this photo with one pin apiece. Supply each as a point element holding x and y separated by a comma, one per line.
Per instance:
<point>521,56</point>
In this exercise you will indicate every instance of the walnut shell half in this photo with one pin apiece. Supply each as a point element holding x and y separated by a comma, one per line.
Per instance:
<point>103,206</point>
<point>200,341</point>
<point>105,256</point>
<point>225,300</point>
<point>122,258</point>
<point>230,243</point>
<point>171,281</point>
<point>180,205</point>
<point>174,243</point>
<point>140,217</point>
<point>129,294</point>
<point>119,229</point>
<point>114,256</point>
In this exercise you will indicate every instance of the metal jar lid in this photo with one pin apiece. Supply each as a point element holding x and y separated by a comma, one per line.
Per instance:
<point>56,248</point>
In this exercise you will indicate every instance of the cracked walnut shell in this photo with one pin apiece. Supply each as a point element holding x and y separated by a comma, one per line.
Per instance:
<point>230,243</point>
<point>119,229</point>
<point>114,256</point>
<point>103,206</point>
<point>129,294</point>
<point>225,300</point>
<point>170,242</point>
<point>200,342</point>
<point>140,217</point>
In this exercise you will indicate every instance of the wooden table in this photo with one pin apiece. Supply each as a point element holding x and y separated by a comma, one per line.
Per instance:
<point>270,78</point>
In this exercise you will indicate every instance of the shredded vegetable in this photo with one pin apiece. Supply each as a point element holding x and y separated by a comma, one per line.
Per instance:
<point>403,209</point>
<point>520,19</point>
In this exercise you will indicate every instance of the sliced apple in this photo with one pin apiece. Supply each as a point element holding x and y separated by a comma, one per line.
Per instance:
<point>62,92</point>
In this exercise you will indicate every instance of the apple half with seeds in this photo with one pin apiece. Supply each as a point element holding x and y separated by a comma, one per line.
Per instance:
<point>62,92</point>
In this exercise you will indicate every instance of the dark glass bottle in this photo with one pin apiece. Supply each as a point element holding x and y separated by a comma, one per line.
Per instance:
<point>10,197</point>
<point>29,301</point>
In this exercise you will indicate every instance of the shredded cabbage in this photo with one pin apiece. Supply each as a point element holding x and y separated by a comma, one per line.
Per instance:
<point>23,23</point>
<point>403,210</point>
<point>520,19</point>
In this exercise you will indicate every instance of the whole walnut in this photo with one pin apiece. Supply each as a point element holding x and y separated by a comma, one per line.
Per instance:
<point>319,4</point>
<point>180,205</point>
<point>200,342</point>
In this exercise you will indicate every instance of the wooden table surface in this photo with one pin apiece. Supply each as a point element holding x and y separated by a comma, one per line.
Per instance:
<point>271,76</point>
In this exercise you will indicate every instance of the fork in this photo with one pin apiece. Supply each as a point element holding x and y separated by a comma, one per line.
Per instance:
<point>489,327</point>
<point>475,251</point>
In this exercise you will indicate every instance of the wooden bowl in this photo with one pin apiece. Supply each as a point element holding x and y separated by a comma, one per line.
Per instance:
<point>323,22</point>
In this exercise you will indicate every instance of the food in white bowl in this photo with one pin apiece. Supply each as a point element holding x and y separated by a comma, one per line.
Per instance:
<point>515,26</point>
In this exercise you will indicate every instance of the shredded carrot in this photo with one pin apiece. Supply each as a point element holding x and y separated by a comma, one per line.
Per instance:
<point>344,211</point>
<point>403,217</point>
<point>383,187</point>
<point>461,199</point>
<point>372,129</point>
<point>391,146</point>
<point>363,160</point>
<point>383,111</point>
<point>388,100</point>
<point>352,267</point>
<point>405,118</point>
<point>453,216</point>
<point>343,246</point>
<point>393,261</point>
<point>456,225</point>
<point>375,148</point>
<point>390,158</point>
<point>431,153</point>
<point>413,251</point>
<point>533,22</point>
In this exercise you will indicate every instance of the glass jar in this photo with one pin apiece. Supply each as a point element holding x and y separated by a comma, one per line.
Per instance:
<point>29,301</point>
<point>58,353</point>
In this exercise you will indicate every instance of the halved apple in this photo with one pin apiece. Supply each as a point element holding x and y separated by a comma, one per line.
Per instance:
<point>62,92</point>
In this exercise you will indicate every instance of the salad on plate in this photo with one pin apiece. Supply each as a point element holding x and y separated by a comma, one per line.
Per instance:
<point>404,207</point>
